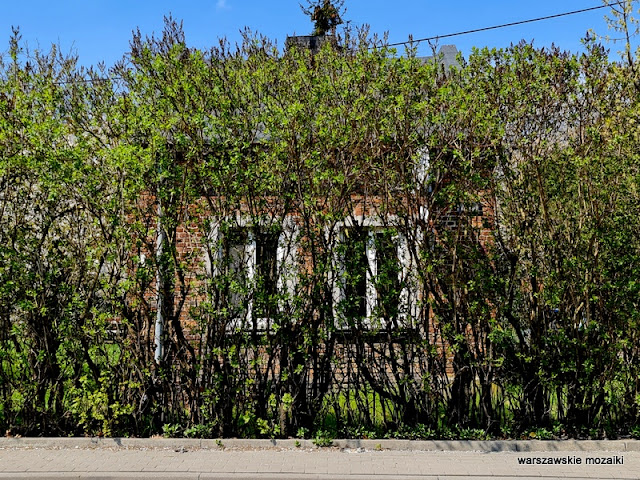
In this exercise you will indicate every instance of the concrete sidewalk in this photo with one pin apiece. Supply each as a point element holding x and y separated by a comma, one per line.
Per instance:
<point>160,459</point>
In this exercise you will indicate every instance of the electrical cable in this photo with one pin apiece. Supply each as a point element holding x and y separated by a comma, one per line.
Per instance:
<point>476,30</point>
<point>494,27</point>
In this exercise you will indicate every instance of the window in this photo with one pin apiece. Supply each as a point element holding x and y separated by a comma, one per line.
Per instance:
<point>266,274</point>
<point>236,269</point>
<point>387,275</point>
<point>370,289</point>
<point>251,265</point>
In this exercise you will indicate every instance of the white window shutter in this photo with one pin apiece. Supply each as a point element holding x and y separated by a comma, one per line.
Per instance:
<point>372,272</point>
<point>250,261</point>
<point>213,256</point>
<point>405,273</point>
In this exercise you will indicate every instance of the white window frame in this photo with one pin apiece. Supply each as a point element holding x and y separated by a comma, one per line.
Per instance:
<point>286,265</point>
<point>405,272</point>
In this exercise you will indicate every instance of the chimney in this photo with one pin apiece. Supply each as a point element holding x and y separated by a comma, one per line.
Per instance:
<point>309,42</point>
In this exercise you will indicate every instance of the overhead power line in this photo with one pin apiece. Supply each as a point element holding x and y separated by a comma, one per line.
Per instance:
<point>438,37</point>
<point>494,27</point>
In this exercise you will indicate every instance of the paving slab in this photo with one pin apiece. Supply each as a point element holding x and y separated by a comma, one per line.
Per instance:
<point>159,459</point>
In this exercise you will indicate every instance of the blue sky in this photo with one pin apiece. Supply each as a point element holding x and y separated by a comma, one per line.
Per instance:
<point>100,30</point>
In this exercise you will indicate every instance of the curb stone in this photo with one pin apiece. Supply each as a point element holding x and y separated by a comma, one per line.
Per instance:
<point>382,444</point>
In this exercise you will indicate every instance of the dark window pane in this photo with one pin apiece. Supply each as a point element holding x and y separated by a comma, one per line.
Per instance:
<point>266,274</point>
<point>355,271</point>
<point>236,261</point>
<point>387,279</point>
